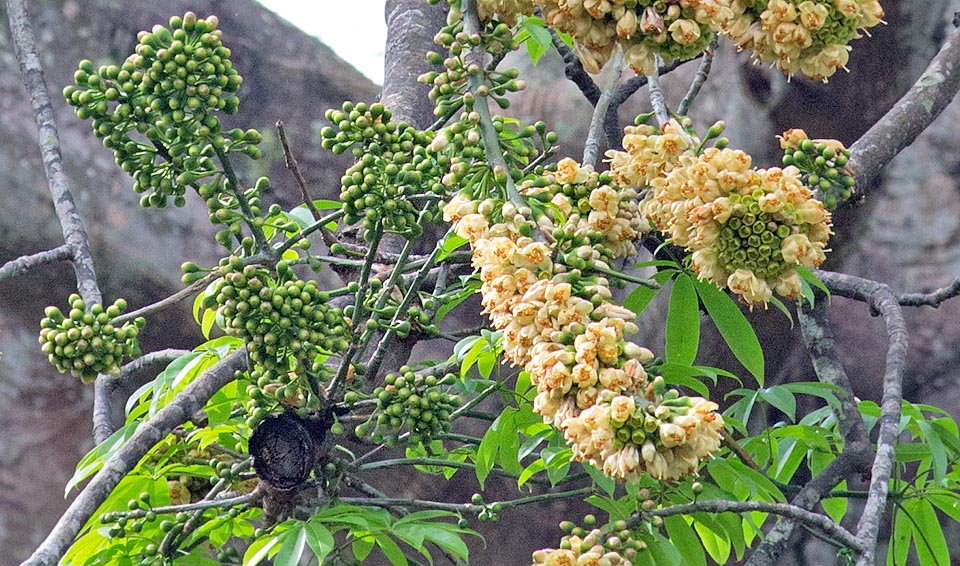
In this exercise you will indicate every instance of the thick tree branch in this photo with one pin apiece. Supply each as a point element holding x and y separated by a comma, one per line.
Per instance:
<point>857,450</point>
<point>910,116</point>
<point>25,263</point>
<point>191,400</point>
<point>881,300</point>
<point>74,233</point>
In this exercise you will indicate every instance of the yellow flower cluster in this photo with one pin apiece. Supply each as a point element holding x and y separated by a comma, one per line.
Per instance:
<point>808,36</point>
<point>505,11</point>
<point>559,324</point>
<point>746,228</point>
<point>595,555</point>
<point>676,29</point>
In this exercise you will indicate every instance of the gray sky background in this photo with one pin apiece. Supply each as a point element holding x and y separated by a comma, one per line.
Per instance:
<point>354,29</point>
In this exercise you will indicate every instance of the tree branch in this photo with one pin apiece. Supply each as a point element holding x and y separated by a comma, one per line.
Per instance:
<point>881,300</point>
<point>192,399</point>
<point>933,299</point>
<point>574,71</point>
<point>74,233</point>
<point>857,450</point>
<point>22,264</point>
<point>699,79</point>
<point>591,147</point>
<point>815,521</point>
<point>910,116</point>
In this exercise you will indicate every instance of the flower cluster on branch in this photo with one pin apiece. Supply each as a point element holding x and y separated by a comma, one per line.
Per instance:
<point>547,292</point>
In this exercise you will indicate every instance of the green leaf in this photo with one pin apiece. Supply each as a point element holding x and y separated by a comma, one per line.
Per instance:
<point>733,327</point>
<point>686,376</point>
<point>258,551</point>
<point>450,541</point>
<point>683,322</point>
<point>938,451</point>
<point>808,276</point>
<point>539,40</point>
<point>782,399</point>
<point>390,549</point>
<point>361,547</point>
<point>292,547</point>
<point>928,535</point>
<point>209,317</point>
<point>450,243</point>
<point>639,298</point>
<point>836,507</point>
<point>681,536</point>
<point>900,539</point>
<point>602,480</point>
<point>713,537</point>
<point>94,459</point>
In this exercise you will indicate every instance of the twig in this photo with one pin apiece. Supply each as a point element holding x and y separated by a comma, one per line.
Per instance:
<point>933,299</point>
<point>815,521</point>
<point>574,71</point>
<point>699,79</point>
<point>192,399</point>
<point>461,507</point>
<point>910,116</point>
<point>744,456</point>
<point>626,90</point>
<point>25,263</point>
<point>881,300</point>
<point>655,92</point>
<point>291,162</point>
<point>591,148</point>
<point>173,299</point>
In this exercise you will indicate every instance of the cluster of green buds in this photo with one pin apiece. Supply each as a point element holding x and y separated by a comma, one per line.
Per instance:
<point>823,164</point>
<point>87,343</point>
<point>449,86</point>
<point>231,207</point>
<point>284,321</point>
<point>615,544</point>
<point>411,403</point>
<point>167,92</point>
<point>523,147</point>
<point>393,170</point>
<point>752,239</point>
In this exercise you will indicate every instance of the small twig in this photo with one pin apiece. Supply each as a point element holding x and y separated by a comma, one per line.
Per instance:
<point>627,89</point>
<point>25,263</point>
<point>464,507</point>
<point>699,79</point>
<point>291,163</point>
<point>655,92</point>
<point>744,456</point>
<point>933,299</point>
<point>591,148</point>
<point>173,299</point>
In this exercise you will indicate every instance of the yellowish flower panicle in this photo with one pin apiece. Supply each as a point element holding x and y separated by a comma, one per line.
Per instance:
<point>555,310</point>
<point>808,36</point>
<point>674,30</point>
<point>656,432</point>
<point>505,11</point>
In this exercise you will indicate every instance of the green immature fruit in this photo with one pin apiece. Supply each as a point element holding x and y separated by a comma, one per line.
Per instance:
<point>86,344</point>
